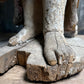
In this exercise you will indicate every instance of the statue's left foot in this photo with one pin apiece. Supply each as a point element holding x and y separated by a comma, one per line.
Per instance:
<point>56,49</point>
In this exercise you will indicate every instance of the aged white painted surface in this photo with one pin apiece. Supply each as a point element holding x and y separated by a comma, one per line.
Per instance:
<point>54,15</point>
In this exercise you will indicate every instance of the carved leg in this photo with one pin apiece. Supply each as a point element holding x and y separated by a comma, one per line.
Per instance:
<point>55,47</point>
<point>32,22</point>
<point>71,18</point>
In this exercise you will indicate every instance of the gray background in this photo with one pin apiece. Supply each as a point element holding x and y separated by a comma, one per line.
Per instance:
<point>6,17</point>
<point>81,16</point>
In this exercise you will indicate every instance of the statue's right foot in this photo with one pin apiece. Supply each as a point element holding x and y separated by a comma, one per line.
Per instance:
<point>21,37</point>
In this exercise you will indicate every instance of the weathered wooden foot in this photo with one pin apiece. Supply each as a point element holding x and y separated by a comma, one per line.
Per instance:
<point>56,49</point>
<point>39,70</point>
<point>21,37</point>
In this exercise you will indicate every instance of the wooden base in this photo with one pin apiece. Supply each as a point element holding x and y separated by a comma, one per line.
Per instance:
<point>31,55</point>
<point>39,70</point>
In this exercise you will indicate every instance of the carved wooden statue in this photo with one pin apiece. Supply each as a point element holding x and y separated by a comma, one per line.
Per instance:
<point>55,18</point>
<point>50,21</point>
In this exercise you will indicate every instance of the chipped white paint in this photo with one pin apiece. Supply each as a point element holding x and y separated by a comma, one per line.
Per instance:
<point>54,15</point>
